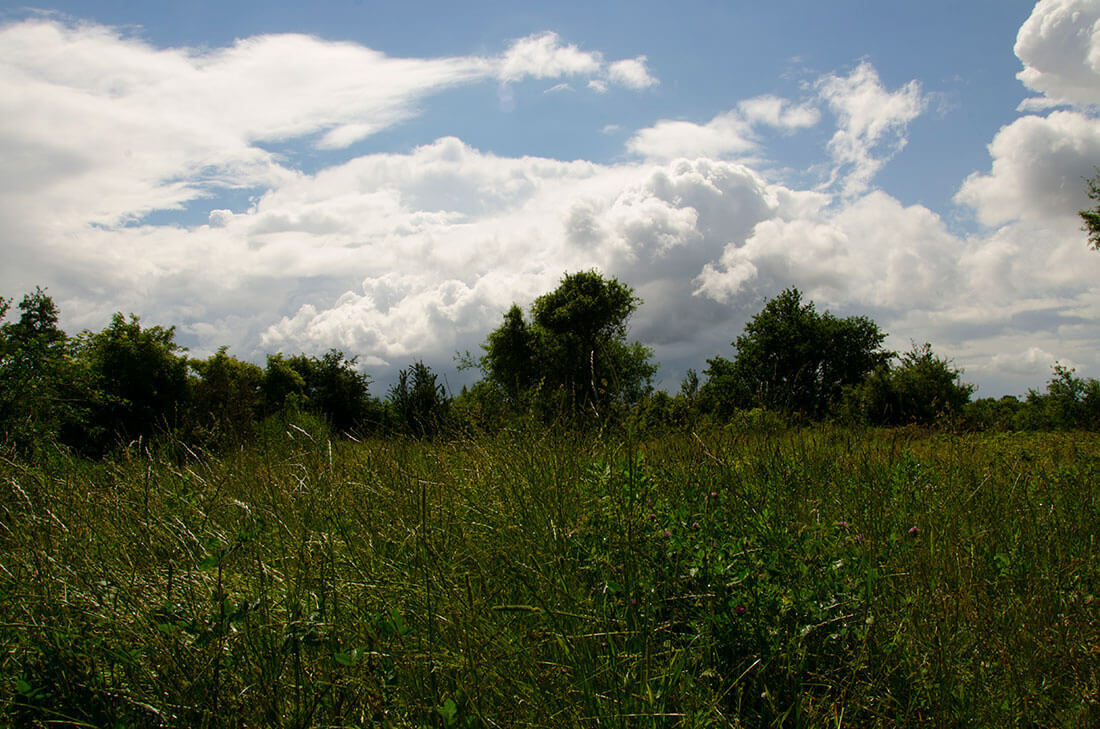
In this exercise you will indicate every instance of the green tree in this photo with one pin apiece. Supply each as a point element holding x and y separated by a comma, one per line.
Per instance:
<point>510,355</point>
<point>419,402</point>
<point>793,359</point>
<point>140,376</point>
<point>921,389</point>
<point>1092,217</point>
<point>42,390</point>
<point>573,357</point>
<point>226,397</point>
<point>1069,403</point>
<point>329,386</point>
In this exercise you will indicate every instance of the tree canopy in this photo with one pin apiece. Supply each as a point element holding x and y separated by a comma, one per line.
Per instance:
<point>792,358</point>
<point>140,374</point>
<point>39,383</point>
<point>920,389</point>
<point>573,356</point>
<point>419,402</point>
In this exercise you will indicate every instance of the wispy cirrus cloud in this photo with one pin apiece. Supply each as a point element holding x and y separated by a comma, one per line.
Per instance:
<point>729,134</point>
<point>871,123</point>
<point>545,55</point>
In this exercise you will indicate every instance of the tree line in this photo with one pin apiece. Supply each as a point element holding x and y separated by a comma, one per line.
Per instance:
<point>567,361</point>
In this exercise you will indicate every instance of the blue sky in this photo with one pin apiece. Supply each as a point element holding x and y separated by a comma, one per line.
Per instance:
<point>386,178</point>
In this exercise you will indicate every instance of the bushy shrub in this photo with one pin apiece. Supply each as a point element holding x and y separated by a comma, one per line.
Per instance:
<point>140,378</point>
<point>922,389</point>
<point>1069,402</point>
<point>225,399</point>
<point>990,414</point>
<point>329,386</point>
<point>794,359</point>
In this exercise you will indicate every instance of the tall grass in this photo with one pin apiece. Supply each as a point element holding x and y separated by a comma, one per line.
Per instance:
<point>816,577</point>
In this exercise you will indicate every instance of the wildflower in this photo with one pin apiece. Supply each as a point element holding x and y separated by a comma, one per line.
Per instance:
<point>668,533</point>
<point>914,531</point>
<point>694,525</point>
<point>740,609</point>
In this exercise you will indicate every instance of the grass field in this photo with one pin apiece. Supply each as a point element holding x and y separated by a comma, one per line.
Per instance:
<point>820,577</point>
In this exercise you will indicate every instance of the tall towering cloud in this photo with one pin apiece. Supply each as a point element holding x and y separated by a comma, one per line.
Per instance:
<point>1059,45</point>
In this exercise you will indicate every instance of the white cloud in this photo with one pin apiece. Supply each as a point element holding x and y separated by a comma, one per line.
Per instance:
<point>873,251</point>
<point>631,73</point>
<point>417,254</point>
<point>220,218</point>
<point>1034,361</point>
<point>724,135</point>
<point>729,134</point>
<point>1038,172</point>
<point>1059,45</point>
<point>544,56</point>
<point>871,122</point>
<point>516,227</point>
<point>99,128</point>
<point>777,112</point>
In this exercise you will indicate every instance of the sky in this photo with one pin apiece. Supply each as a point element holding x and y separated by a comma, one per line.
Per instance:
<point>388,178</point>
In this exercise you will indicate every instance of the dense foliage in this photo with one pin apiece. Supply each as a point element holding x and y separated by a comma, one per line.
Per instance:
<point>41,388</point>
<point>570,364</point>
<point>573,359</point>
<point>923,388</point>
<point>421,406</point>
<point>793,359</point>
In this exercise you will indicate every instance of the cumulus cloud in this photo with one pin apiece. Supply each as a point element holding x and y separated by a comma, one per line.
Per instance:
<point>220,218</point>
<point>1038,172</point>
<point>519,224</point>
<point>543,55</point>
<point>418,253</point>
<point>873,250</point>
<point>631,73</point>
<point>724,135</point>
<point>1059,45</point>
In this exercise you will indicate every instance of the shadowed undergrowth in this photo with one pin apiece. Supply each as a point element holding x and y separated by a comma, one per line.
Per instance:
<point>820,577</point>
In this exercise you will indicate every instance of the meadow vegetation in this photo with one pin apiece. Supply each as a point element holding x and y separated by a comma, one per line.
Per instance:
<point>811,535</point>
<point>795,576</point>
